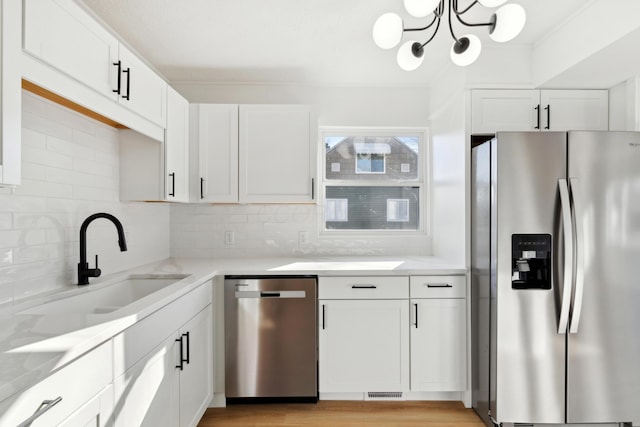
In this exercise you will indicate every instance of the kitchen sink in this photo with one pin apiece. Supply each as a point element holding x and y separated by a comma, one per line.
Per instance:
<point>105,298</point>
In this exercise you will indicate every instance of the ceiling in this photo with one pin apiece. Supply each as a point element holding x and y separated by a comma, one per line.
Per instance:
<point>320,42</point>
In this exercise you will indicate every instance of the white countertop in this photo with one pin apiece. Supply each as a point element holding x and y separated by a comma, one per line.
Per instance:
<point>33,346</point>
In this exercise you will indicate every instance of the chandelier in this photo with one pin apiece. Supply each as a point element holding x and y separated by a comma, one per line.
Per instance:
<point>504,25</point>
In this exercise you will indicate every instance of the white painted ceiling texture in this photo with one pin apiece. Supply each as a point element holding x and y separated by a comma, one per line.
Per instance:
<point>319,42</point>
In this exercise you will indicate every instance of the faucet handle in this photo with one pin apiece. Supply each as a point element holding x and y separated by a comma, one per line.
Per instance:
<point>95,272</point>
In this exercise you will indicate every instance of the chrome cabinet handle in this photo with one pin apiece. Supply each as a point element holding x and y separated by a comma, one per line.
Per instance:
<point>579,253</point>
<point>44,407</point>
<point>568,256</point>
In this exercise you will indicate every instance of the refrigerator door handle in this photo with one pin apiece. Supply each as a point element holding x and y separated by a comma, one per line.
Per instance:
<point>568,255</point>
<point>579,253</point>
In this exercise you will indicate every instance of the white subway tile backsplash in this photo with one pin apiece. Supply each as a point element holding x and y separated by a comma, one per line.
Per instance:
<point>271,230</point>
<point>69,171</point>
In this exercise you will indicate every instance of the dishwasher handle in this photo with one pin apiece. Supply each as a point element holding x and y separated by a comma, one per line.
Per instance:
<point>271,294</point>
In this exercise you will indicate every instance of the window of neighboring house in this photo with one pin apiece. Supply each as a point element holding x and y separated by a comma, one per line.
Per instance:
<point>336,210</point>
<point>374,179</point>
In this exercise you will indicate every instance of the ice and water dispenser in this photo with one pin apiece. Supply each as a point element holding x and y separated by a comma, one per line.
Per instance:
<point>531,261</point>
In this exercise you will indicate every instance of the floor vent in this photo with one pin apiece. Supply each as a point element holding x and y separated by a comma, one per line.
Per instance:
<point>384,395</point>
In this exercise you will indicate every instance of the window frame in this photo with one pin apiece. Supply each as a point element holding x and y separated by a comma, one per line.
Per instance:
<point>422,179</point>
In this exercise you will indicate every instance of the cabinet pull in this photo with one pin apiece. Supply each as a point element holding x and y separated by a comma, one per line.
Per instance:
<point>44,407</point>
<point>548,110</point>
<point>119,65</point>
<point>323,317</point>
<point>181,365</point>
<point>173,184</point>
<point>201,188</point>
<point>128,72</point>
<point>187,360</point>
<point>313,189</point>
<point>416,322</point>
<point>537,108</point>
<point>438,285</point>
<point>363,287</point>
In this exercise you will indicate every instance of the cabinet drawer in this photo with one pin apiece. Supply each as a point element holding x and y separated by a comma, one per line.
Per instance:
<point>438,286</point>
<point>75,384</point>
<point>135,342</point>
<point>363,287</point>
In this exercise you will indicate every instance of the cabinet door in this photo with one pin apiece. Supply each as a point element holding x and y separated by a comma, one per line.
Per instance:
<point>147,394</point>
<point>214,152</point>
<point>61,34</point>
<point>504,110</point>
<point>95,413</point>
<point>364,345</point>
<point>574,110</point>
<point>142,90</point>
<point>196,377</point>
<point>10,94</point>
<point>177,147</point>
<point>438,345</point>
<point>277,153</point>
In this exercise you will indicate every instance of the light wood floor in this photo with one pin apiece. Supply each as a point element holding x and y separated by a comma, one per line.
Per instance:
<point>344,413</point>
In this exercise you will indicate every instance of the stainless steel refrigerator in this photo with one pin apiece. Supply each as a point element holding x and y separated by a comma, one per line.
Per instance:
<point>555,268</point>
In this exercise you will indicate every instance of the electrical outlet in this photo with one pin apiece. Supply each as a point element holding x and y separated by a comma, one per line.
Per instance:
<point>303,238</point>
<point>229,238</point>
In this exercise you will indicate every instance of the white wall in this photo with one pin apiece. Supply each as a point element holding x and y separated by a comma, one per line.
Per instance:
<point>273,230</point>
<point>450,165</point>
<point>69,171</point>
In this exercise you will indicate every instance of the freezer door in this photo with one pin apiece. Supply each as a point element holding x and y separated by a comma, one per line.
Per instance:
<point>603,371</point>
<point>527,380</point>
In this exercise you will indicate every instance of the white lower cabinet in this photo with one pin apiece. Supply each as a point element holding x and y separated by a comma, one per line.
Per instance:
<point>96,412</point>
<point>146,395</point>
<point>438,333</point>
<point>438,345</point>
<point>364,335</point>
<point>171,383</point>
<point>380,336</point>
<point>364,346</point>
<point>196,375</point>
<point>56,399</point>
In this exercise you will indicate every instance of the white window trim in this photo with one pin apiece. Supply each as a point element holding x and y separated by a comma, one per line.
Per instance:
<point>423,180</point>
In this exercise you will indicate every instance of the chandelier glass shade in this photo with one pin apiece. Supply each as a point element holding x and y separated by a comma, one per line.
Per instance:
<point>504,25</point>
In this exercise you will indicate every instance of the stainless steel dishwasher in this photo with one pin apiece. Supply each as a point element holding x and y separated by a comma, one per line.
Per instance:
<point>271,338</point>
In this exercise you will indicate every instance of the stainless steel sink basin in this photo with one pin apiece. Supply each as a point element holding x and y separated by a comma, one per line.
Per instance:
<point>105,298</point>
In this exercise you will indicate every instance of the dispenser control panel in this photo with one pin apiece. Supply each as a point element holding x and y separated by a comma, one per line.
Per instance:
<point>531,261</point>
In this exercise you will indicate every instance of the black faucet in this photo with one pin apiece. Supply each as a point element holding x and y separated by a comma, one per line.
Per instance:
<point>84,272</point>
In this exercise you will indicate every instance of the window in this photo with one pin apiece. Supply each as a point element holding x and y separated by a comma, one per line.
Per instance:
<point>336,210</point>
<point>373,179</point>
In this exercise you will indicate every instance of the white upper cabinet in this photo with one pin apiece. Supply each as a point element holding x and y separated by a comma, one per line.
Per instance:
<point>10,93</point>
<point>141,89</point>
<point>574,109</point>
<point>214,153</point>
<point>62,35</point>
<point>277,154</point>
<point>545,110</point>
<point>177,147</point>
